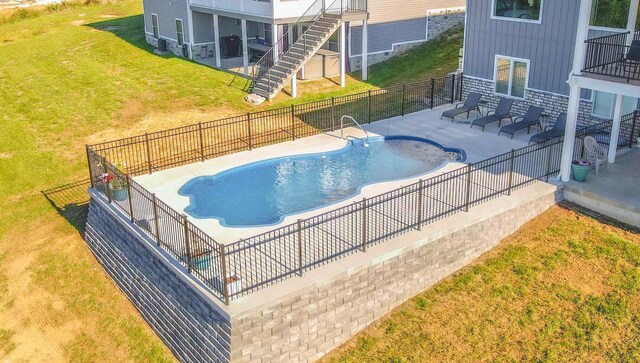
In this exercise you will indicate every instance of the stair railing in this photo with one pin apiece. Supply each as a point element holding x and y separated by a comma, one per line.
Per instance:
<point>263,67</point>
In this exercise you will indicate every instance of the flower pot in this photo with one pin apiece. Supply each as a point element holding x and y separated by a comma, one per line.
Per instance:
<point>120,194</point>
<point>201,262</point>
<point>579,172</point>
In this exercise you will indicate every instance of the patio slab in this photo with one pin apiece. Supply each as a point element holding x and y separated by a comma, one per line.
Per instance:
<point>615,192</point>
<point>478,146</point>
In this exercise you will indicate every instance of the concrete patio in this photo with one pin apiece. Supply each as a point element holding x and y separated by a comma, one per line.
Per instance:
<point>615,192</point>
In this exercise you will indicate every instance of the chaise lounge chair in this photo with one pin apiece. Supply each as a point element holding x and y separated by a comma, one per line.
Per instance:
<point>556,131</point>
<point>531,118</point>
<point>471,104</point>
<point>501,112</point>
<point>630,62</point>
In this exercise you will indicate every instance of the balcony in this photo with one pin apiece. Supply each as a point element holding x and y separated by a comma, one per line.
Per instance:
<point>614,57</point>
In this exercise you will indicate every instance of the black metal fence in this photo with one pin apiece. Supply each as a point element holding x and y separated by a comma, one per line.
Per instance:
<point>260,261</point>
<point>614,56</point>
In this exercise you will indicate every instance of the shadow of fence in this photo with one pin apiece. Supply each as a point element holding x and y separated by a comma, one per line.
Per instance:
<point>71,201</point>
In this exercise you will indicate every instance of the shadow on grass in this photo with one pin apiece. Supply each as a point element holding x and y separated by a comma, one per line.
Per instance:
<point>582,211</point>
<point>71,201</point>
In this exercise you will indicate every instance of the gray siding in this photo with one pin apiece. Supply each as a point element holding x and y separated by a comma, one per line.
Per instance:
<point>382,36</point>
<point>549,46</point>
<point>202,27</point>
<point>167,14</point>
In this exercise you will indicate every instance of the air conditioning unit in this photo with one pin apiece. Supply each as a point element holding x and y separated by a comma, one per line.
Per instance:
<point>162,45</point>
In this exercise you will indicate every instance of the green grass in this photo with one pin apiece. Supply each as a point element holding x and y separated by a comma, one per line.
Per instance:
<point>563,288</point>
<point>74,74</point>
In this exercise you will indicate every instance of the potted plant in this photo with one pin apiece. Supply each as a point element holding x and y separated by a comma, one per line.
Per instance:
<point>116,185</point>
<point>201,258</point>
<point>580,169</point>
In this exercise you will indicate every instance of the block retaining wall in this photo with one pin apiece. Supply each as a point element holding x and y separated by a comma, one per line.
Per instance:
<point>303,318</point>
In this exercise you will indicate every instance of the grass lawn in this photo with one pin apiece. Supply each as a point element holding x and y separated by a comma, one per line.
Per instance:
<point>565,287</point>
<point>83,74</point>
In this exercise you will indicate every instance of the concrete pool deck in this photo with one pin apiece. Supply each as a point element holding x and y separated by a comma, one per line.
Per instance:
<point>426,124</point>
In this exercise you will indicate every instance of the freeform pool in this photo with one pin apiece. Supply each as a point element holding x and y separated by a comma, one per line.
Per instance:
<point>265,192</point>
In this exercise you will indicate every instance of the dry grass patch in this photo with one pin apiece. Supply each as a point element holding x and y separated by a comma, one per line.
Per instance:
<point>564,287</point>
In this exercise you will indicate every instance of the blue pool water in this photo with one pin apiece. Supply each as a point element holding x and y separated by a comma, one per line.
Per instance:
<point>265,192</point>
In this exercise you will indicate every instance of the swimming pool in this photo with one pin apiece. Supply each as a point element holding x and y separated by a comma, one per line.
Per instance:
<point>265,192</point>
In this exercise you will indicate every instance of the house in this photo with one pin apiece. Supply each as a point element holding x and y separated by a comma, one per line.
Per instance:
<point>555,54</point>
<point>241,35</point>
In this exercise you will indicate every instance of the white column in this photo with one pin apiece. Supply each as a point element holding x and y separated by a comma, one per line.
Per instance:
<point>276,45</point>
<point>191,36</point>
<point>365,50</point>
<point>216,36</point>
<point>574,95</point>
<point>631,21</point>
<point>245,48</point>
<point>343,55</point>
<point>294,86</point>
<point>615,129</point>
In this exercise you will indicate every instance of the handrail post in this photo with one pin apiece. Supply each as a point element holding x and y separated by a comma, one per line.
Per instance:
<point>130,198</point>
<point>186,241</point>
<point>249,130</point>
<point>404,85</point>
<point>420,202</point>
<point>511,166</point>
<point>299,240</point>
<point>293,123</point>
<point>225,286</point>
<point>86,146</point>
<point>364,224</point>
<point>433,90</point>
<point>201,141</point>
<point>467,202</point>
<point>633,129</point>
<point>146,140</point>
<point>154,201</point>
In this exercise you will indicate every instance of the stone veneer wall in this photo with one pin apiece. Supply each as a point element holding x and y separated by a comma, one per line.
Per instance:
<point>438,24</point>
<point>320,310</point>
<point>186,321</point>
<point>553,104</point>
<point>172,45</point>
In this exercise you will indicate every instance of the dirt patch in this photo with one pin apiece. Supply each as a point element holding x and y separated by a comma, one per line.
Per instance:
<point>6,155</point>
<point>108,16</point>
<point>78,22</point>
<point>110,28</point>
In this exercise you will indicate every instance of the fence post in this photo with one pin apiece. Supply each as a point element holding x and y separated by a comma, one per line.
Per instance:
<point>467,202</point>
<point>249,130</point>
<point>154,201</point>
<point>453,88</point>
<point>461,80</point>
<point>146,141</point>
<point>633,129</point>
<point>511,162</point>
<point>550,147</point>
<point>333,114</point>
<point>299,237</point>
<point>186,241</point>
<point>433,90</point>
<point>91,169</point>
<point>293,123</point>
<point>364,224</point>
<point>403,92</point>
<point>420,201</point>
<point>201,141</point>
<point>225,286</point>
<point>369,108</point>
<point>130,198</point>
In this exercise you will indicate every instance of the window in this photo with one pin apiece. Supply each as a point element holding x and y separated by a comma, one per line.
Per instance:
<point>154,25</point>
<point>511,76</point>
<point>268,34</point>
<point>179,32</point>
<point>522,10</point>
<point>604,104</point>
<point>610,13</point>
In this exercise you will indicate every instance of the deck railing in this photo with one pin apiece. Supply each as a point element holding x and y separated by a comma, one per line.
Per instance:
<point>614,56</point>
<point>255,263</point>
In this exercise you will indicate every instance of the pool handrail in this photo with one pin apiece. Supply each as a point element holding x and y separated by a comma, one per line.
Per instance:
<point>366,140</point>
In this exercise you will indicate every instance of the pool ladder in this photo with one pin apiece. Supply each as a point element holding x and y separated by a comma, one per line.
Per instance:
<point>366,139</point>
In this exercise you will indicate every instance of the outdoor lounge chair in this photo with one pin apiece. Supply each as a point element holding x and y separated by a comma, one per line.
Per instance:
<point>501,112</point>
<point>556,130</point>
<point>471,104</point>
<point>531,118</point>
<point>631,62</point>
<point>596,154</point>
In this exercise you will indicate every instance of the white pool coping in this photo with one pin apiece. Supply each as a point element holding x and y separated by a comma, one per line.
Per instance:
<point>478,146</point>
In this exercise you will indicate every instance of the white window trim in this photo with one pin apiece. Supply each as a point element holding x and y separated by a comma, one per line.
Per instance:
<point>517,20</point>
<point>182,25</point>
<point>593,106</point>
<point>495,76</point>
<point>157,26</point>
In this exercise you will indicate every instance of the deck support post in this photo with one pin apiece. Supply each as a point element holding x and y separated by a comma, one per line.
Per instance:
<point>615,130</point>
<point>245,48</point>
<point>216,40</point>
<point>343,55</point>
<point>365,50</point>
